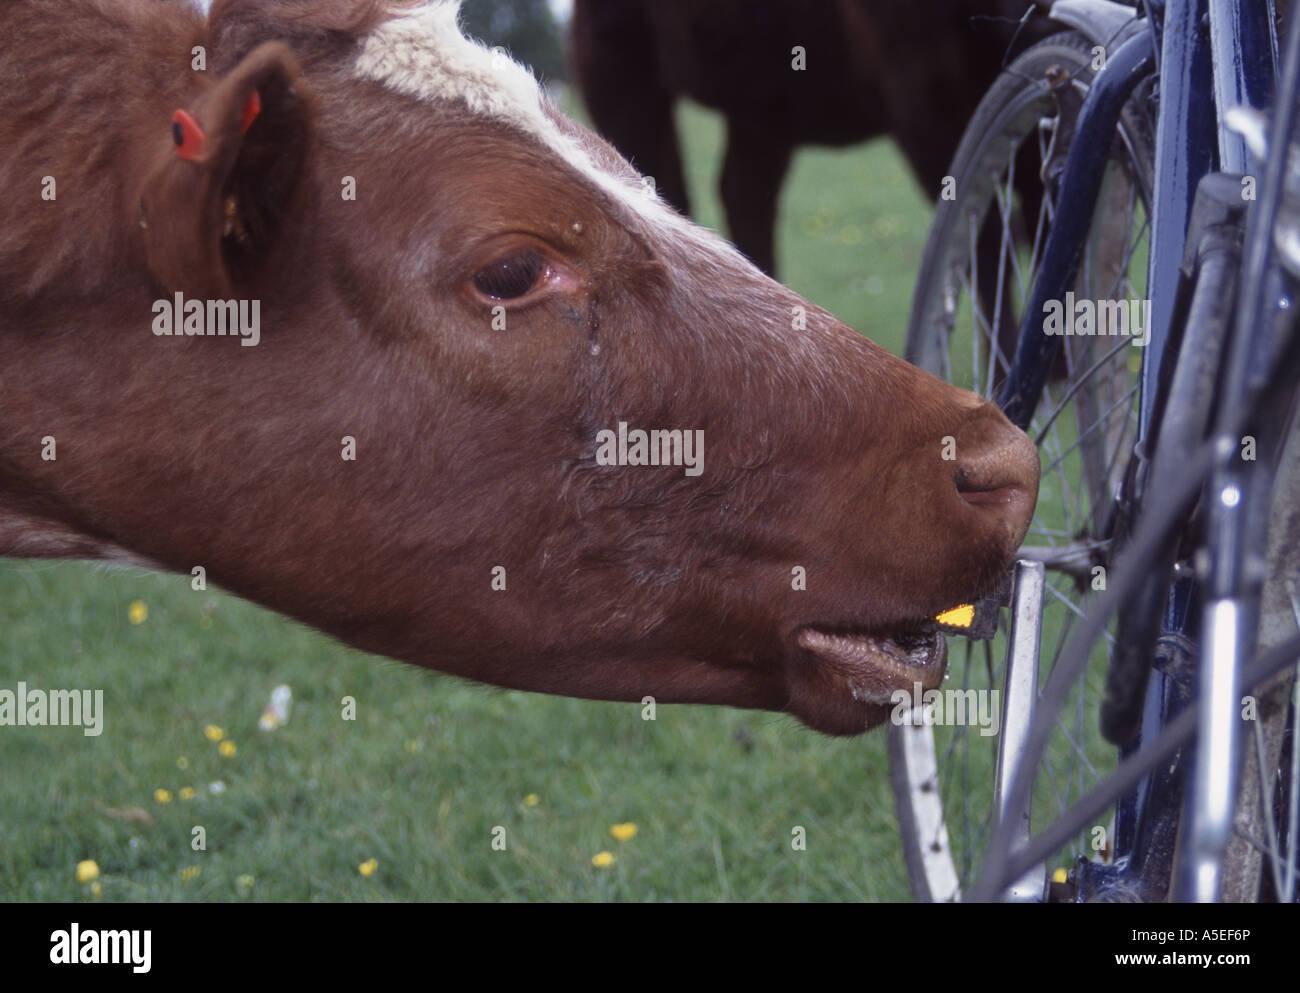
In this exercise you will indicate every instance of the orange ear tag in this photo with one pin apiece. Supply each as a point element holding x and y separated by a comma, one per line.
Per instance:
<point>187,135</point>
<point>252,107</point>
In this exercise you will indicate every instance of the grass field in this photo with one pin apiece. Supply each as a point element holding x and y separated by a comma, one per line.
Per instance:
<point>432,765</point>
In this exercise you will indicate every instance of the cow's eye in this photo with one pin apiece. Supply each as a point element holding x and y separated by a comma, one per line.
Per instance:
<point>511,277</point>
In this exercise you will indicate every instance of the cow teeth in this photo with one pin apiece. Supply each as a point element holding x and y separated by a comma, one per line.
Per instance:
<point>921,652</point>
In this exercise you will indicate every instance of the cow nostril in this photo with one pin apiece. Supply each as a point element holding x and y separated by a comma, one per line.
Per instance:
<point>995,478</point>
<point>1001,470</point>
<point>991,496</point>
<point>1000,475</point>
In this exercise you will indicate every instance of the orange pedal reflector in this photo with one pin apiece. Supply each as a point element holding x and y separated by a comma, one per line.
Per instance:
<point>958,617</point>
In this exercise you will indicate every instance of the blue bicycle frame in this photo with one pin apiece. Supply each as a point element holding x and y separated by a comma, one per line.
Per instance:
<point>1208,56</point>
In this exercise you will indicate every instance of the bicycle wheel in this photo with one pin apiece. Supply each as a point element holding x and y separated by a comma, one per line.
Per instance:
<point>976,276</point>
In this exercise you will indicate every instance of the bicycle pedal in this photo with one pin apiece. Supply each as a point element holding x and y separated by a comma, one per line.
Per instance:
<point>978,620</point>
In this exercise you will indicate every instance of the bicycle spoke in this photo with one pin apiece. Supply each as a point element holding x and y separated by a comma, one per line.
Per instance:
<point>1083,381</point>
<point>1074,609</point>
<point>1126,398</point>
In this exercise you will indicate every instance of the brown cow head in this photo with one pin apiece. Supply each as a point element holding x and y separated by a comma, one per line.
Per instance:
<point>467,307</point>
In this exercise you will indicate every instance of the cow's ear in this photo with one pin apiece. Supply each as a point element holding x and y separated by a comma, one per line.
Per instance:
<point>223,175</point>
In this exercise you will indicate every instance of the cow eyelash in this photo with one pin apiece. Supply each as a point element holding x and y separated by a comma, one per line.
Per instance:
<point>511,277</point>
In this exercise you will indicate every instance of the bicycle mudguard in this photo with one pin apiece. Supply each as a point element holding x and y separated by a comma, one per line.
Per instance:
<point>1102,22</point>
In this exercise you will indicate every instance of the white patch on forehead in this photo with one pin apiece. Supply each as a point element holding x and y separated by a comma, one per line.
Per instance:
<point>423,54</point>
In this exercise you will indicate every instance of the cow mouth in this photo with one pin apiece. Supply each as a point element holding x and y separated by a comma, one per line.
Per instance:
<point>877,665</point>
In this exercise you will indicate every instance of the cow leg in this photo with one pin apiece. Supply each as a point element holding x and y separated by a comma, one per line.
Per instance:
<point>616,67</point>
<point>752,174</point>
<point>643,131</point>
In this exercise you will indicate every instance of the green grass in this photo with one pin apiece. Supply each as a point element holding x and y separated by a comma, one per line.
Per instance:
<point>418,781</point>
<point>432,764</point>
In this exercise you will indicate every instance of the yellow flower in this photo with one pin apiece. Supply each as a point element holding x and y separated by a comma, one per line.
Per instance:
<point>245,882</point>
<point>162,796</point>
<point>368,867</point>
<point>213,733</point>
<point>227,748</point>
<point>87,870</point>
<point>414,745</point>
<point>532,800</point>
<point>187,792</point>
<point>137,612</point>
<point>189,873</point>
<point>602,859</point>
<point>96,890</point>
<point>182,763</point>
<point>624,832</point>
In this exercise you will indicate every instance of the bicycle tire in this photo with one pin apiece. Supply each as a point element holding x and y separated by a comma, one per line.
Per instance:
<point>1005,118</point>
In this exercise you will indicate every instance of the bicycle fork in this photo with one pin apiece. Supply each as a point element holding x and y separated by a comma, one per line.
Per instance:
<point>1019,697</point>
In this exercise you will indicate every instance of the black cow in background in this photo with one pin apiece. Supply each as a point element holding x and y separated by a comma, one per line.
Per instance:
<point>911,69</point>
